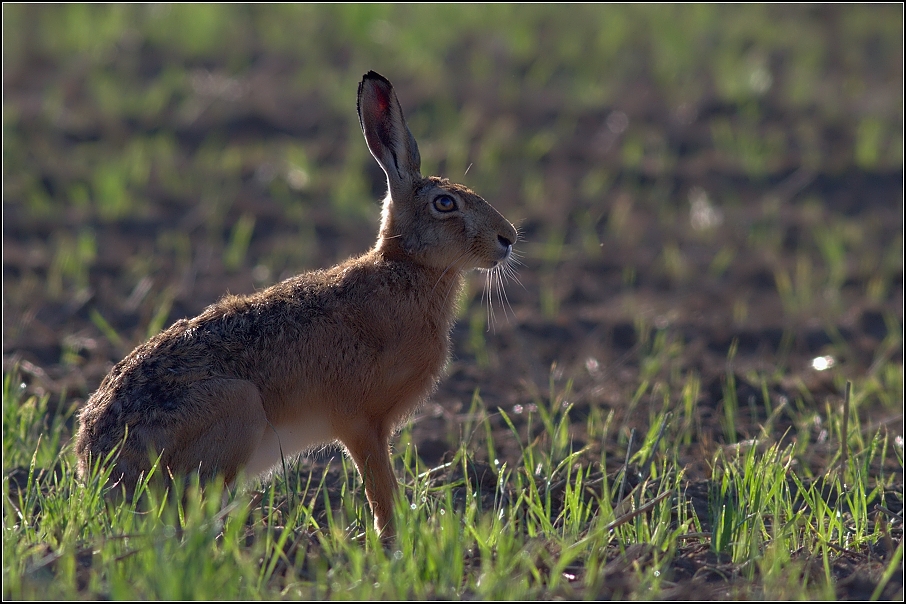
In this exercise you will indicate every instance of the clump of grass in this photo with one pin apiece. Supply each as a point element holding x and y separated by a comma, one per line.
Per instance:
<point>240,237</point>
<point>71,263</point>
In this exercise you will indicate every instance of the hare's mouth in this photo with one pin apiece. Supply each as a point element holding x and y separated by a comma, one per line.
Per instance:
<point>502,259</point>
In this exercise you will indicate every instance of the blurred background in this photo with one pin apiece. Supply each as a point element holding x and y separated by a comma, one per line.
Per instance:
<point>698,187</point>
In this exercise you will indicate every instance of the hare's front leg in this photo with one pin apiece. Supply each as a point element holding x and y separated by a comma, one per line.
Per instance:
<point>369,448</point>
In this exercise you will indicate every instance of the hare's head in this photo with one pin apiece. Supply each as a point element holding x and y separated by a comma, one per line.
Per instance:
<point>431,221</point>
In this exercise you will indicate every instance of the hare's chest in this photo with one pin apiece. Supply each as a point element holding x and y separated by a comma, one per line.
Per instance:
<point>421,353</point>
<point>412,361</point>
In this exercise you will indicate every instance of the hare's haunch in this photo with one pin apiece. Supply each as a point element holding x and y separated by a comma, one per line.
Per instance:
<point>343,354</point>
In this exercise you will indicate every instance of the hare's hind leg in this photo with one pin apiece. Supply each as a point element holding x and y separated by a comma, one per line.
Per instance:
<point>228,424</point>
<point>370,450</point>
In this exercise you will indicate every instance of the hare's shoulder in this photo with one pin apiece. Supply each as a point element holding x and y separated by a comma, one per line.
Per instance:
<point>358,279</point>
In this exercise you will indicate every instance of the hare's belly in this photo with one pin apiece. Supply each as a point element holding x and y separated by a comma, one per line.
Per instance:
<point>287,440</point>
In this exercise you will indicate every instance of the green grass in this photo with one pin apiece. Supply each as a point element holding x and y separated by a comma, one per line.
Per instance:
<point>545,525</point>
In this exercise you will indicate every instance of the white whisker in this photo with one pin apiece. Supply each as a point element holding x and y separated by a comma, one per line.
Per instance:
<point>506,298</point>
<point>487,293</point>
<point>494,284</point>
<point>510,271</point>
<point>499,286</point>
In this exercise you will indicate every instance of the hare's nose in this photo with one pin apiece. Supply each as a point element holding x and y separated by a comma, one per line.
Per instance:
<point>506,247</point>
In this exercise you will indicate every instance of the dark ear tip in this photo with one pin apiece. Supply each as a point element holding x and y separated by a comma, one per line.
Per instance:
<point>373,75</point>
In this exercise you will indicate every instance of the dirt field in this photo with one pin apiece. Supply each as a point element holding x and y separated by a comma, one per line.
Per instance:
<point>751,242</point>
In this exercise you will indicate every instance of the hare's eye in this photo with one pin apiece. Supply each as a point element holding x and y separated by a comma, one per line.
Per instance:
<point>444,203</point>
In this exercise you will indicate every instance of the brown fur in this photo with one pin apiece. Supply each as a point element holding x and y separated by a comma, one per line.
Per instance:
<point>343,354</point>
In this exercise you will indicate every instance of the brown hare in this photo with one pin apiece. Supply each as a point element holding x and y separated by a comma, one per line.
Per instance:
<point>342,355</point>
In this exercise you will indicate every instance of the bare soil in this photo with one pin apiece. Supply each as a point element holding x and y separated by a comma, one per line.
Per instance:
<point>588,312</point>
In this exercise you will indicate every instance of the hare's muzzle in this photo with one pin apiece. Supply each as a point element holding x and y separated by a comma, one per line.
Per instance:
<point>504,248</point>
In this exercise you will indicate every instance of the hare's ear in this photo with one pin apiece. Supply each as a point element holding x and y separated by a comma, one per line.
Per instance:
<point>386,133</point>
